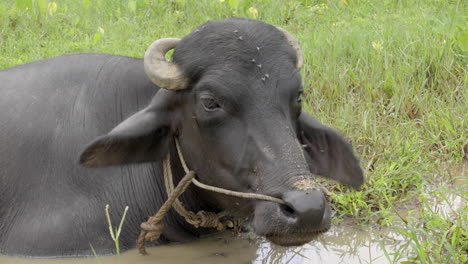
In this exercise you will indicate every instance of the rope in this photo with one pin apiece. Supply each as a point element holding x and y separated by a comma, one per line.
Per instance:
<point>152,229</point>
<point>221,190</point>
<point>237,194</point>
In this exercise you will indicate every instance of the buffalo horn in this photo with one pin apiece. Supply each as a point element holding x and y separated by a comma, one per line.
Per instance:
<point>165,74</point>
<point>295,44</point>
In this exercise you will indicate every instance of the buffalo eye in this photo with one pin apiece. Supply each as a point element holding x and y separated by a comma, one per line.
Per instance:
<point>209,103</point>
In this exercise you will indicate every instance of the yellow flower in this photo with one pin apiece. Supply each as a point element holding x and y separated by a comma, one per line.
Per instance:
<point>100,30</point>
<point>52,8</point>
<point>377,45</point>
<point>320,8</point>
<point>252,12</point>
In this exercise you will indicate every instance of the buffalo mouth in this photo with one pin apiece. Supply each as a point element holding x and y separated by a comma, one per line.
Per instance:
<point>294,238</point>
<point>283,228</point>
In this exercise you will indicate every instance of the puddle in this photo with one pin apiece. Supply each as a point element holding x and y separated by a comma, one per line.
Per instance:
<point>447,204</point>
<point>447,196</point>
<point>342,244</point>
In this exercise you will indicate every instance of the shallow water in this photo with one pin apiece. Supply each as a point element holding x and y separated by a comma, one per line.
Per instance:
<point>342,244</point>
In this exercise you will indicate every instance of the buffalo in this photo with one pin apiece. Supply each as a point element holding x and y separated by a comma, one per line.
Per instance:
<point>82,131</point>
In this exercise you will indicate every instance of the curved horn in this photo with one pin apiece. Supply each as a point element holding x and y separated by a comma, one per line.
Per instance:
<point>295,44</point>
<point>165,74</point>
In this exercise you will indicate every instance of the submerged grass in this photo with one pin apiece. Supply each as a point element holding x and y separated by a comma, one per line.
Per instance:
<point>390,75</point>
<point>436,230</point>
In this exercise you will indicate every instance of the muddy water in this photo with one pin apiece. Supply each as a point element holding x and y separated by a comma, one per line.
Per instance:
<point>342,244</point>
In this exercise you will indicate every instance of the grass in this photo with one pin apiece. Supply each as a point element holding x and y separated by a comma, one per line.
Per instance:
<point>433,237</point>
<point>390,75</point>
<point>113,231</point>
<point>115,234</point>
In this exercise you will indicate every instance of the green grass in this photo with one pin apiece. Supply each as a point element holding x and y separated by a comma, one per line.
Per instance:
<point>390,75</point>
<point>115,231</point>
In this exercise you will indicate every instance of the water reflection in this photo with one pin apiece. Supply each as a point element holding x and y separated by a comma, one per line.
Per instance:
<point>342,244</point>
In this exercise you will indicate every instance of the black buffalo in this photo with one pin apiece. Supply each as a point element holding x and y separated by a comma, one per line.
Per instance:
<point>233,99</point>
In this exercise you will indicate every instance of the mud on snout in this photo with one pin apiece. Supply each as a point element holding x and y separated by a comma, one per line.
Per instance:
<point>303,217</point>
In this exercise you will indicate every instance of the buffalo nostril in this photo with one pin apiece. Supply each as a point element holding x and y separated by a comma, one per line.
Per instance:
<point>287,210</point>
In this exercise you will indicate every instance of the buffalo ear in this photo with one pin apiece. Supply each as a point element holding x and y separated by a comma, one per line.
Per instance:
<point>327,152</point>
<point>143,137</point>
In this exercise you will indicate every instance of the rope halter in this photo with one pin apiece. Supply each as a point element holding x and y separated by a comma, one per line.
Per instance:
<point>152,229</point>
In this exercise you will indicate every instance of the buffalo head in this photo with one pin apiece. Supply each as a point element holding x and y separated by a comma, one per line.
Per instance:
<point>233,98</point>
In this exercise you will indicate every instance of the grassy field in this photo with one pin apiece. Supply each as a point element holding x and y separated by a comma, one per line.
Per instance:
<point>391,75</point>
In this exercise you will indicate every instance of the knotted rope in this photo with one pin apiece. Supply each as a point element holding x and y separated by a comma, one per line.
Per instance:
<point>152,229</point>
